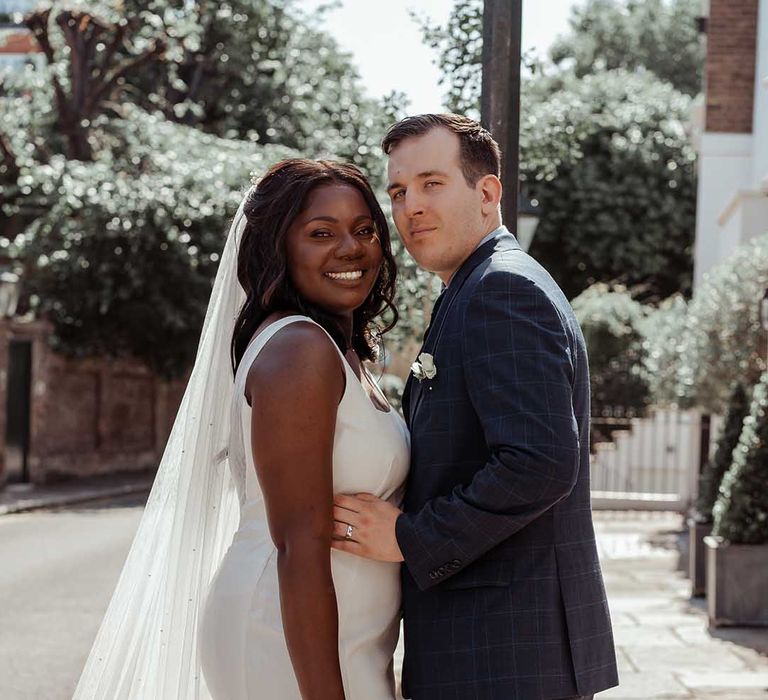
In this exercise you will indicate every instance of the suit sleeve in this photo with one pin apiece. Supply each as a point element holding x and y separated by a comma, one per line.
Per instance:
<point>519,374</point>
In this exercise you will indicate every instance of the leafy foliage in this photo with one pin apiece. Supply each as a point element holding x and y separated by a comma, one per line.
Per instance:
<point>609,161</point>
<point>604,152</point>
<point>460,55</point>
<point>611,322</point>
<point>122,260</point>
<point>658,35</point>
<point>664,343</point>
<point>259,70</point>
<point>118,224</point>
<point>741,510</point>
<point>714,470</point>
<point>686,343</point>
<point>723,321</point>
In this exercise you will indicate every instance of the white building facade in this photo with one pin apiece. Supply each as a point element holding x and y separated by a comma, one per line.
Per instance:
<point>733,154</point>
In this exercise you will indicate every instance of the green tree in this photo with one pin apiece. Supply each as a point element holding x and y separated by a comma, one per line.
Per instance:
<point>119,235</point>
<point>459,46</point>
<point>606,155</point>
<point>608,158</point>
<point>82,89</point>
<point>714,470</point>
<point>258,70</point>
<point>657,35</point>
<point>123,258</point>
<point>686,343</point>
<point>741,510</point>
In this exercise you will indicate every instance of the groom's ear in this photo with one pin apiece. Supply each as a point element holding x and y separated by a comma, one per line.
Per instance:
<point>490,190</point>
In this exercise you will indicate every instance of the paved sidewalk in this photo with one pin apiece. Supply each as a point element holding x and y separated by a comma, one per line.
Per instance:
<point>664,647</point>
<point>18,498</point>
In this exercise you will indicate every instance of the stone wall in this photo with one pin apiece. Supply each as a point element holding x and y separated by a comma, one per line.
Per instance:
<point>88,416</point>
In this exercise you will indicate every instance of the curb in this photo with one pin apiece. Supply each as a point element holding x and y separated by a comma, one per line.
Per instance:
<point>31,503</point>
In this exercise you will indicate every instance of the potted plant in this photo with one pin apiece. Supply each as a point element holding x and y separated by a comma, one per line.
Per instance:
<point>700,522</point>
<point>737,550</point>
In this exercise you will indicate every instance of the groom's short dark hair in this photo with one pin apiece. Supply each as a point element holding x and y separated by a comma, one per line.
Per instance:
<point>479,154</point>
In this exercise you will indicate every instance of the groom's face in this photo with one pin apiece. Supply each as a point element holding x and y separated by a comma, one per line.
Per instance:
<point>437,214</point>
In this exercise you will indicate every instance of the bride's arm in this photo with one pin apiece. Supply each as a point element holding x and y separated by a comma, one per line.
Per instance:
<point>295,387</point>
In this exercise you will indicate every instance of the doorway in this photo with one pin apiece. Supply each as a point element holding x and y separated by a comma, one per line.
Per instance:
<point>18,405</point>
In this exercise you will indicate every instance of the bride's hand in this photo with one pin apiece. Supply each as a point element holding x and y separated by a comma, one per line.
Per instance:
<point>365,525</point>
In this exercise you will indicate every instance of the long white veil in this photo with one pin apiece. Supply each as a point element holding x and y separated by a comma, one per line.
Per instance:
<point>147,645</point>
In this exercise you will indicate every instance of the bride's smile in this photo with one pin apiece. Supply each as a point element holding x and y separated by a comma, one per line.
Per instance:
<point>333,249</point>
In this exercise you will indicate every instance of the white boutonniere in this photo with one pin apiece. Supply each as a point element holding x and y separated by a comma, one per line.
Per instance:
<point>424,367</point>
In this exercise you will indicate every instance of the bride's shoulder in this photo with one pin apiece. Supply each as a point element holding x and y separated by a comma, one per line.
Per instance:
<point>299,351</point>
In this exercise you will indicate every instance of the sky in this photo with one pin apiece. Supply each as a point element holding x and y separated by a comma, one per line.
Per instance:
<point>389,53</point>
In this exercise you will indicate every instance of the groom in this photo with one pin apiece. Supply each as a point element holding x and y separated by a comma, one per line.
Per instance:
<point>503,597</point>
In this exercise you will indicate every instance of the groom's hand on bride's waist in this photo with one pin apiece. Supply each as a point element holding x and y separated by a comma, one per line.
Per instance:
<point>365,525</point>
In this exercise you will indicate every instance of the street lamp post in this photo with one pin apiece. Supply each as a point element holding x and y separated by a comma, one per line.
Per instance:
<point>528,216</point>
<point>500,101</point>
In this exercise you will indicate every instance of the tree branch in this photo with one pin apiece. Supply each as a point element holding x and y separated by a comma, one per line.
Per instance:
<point>9,158</point>
<point>111,50</point>
<point>37,23</point>
<point>92,77</point>
<point>124,67</point>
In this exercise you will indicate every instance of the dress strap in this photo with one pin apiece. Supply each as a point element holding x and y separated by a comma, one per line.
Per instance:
<point>255,345</point>
<point>260,340</point>
<point>236,452</point>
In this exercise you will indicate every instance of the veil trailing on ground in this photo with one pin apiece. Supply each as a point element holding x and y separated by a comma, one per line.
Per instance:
<point>147,645</point>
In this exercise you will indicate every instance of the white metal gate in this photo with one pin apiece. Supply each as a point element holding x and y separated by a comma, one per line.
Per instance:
<point>653,465</point>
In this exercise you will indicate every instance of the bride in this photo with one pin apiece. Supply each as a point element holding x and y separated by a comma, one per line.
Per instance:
<point>231,590</point>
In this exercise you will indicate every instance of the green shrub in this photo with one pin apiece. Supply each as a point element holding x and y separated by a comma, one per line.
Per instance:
<point>712,475</point>
<point>118,242</point>
<point>611,322</point>
<point>741,510</point>
<point>696,352</point>
<point>723,342</point>
<point>663,345</point>
<point>122,258</point>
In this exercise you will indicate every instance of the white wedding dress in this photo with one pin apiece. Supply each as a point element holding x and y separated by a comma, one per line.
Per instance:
<point>242,645</point>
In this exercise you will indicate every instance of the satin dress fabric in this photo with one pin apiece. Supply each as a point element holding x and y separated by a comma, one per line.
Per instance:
<point>242,644</point>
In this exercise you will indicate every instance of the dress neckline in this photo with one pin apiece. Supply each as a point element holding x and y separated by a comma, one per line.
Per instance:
<point>286,320</point>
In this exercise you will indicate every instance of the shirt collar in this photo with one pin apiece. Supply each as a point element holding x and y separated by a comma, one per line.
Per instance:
<point>492,234</point>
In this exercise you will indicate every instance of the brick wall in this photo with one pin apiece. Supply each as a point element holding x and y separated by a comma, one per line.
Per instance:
<point>18,42</point>
<point>730,67</point>
<point>88,416</point>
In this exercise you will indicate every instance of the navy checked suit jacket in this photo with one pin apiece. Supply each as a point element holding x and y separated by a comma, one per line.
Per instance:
<point>503,597</point>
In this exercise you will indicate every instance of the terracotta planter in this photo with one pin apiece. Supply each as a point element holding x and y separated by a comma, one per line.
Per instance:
<point>737,583</point>
<point>697,556</point>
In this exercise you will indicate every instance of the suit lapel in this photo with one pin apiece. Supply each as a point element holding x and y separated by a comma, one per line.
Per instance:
<point>503,241</point>
<point>406,399</point>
